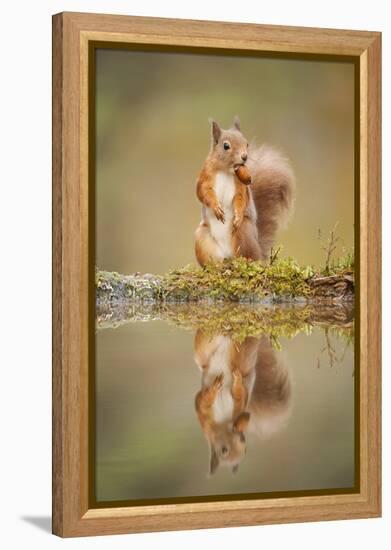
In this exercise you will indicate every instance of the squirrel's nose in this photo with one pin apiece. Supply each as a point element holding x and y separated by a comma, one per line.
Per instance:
<point>244,156</point>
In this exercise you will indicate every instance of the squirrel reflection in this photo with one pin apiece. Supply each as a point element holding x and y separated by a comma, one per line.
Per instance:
<point>246,388</point>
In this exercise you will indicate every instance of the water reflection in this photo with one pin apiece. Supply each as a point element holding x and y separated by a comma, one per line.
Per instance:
<point>246,387</point>
<point>272,399</point>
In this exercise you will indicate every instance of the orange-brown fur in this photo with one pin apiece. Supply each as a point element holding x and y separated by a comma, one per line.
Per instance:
<point>258,210</point>
<point>273,192</point>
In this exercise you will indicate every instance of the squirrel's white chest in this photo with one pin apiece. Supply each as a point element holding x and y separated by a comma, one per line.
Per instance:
<point>224,188</point>
<point>225,191</point>
<point>220,363</point>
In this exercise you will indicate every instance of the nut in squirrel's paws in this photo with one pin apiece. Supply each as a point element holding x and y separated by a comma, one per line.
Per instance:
<point>243,174</point>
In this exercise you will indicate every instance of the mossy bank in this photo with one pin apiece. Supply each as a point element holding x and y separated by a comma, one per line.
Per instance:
<point>238,280</point>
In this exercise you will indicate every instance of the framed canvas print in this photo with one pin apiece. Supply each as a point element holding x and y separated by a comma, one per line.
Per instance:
<point>216,274</point>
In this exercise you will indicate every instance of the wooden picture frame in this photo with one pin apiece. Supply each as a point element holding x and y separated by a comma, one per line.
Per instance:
<point>73,34</point>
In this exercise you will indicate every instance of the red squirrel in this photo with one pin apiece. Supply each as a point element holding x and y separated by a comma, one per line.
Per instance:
<point>246,388</point>
<point>241,215</point>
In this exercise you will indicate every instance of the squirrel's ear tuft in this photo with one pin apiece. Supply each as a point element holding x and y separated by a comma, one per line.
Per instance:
<point>237,123</point>
<point>216,131</point>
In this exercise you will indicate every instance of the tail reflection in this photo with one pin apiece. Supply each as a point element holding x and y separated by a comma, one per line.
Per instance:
<point>246,388</point>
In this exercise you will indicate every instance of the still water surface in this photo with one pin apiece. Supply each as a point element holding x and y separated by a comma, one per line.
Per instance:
<point>186,413</point>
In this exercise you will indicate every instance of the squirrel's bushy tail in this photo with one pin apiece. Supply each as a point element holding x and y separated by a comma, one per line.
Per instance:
<point>273,186</point>
<point>270,403</point>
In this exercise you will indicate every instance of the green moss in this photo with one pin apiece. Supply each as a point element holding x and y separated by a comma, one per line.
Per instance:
<point>103,278</point>
<point>240,280</point>
<point>237,280</point>
<point>238,321</point>
<point>241,321</point>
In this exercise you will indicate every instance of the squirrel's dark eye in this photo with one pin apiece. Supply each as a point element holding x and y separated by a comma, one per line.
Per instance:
<point>226,145</point>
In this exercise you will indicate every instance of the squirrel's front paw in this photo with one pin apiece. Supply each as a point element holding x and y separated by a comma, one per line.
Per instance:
<point>237,378</point>
<point>218,382</point>
<point>219,213</point>
<point>237,375</point>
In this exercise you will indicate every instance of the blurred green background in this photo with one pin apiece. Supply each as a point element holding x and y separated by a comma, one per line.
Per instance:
<point>153,135</point>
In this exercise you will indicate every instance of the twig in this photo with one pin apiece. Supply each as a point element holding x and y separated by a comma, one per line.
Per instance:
<point>274,254</point>
<point>330,246</point>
